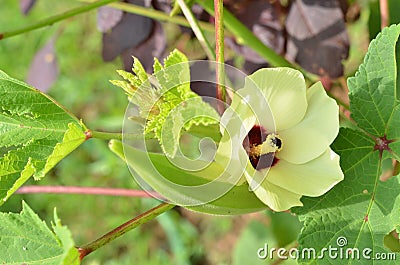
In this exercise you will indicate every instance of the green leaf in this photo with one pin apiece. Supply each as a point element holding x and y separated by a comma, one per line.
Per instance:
<point>178,103</point>
<point>25,239</point>
<point>177,74</point>
<point>362,208</point>
<point>140,73</point>
<point>150,167</point>
<point>193,112</point>
<point>168,105</point>
<point>157,66</point>
<point>35,134</point>
<point>373,88</point>
<point>171,133</point>
<point>285,227</point>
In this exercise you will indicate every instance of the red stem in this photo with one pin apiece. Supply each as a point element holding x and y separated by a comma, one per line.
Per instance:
<point>219,53</point>
<point>87,190</point>
<point>383,4</point>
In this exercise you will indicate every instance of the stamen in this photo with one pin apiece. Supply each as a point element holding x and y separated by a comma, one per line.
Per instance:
<point>261,147</point>
<point>271,145</point>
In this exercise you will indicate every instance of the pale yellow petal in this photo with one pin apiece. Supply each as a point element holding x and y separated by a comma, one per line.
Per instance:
<point>283,93</point>
<point>277,198</point>
<point>313,178</point>
<point>232,158</point>
<point>319,127</point>
<point>234,126</point>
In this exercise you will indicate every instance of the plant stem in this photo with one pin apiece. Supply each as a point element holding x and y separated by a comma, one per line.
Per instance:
<point>86,190</point>
<point>157,15</point>
<point>219,51</point>
<point>105,135</point>
<point>197,30</point>
<point>51,20</point>
<point>109,135</point>
<point>124,228</point>
<point>383,4</point>
<point>246,37</point>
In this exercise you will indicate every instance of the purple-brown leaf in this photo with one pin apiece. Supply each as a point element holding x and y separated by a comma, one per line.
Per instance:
<point>154,46</point>
<point>129,32</point>
<point>26,6</point>
<point>262,18</point>
<point>107,18</point>
<point>43,71</point>
<point>162,5</point>
<point>317,37</point>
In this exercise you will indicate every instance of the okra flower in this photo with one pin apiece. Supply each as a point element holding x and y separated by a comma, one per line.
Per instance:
<point>276,136</point>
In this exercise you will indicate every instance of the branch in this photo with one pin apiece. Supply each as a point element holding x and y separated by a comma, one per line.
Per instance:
<point>124,228</point>
<point>54,19</point>
<point>157,15</point>
<point>87,190</point>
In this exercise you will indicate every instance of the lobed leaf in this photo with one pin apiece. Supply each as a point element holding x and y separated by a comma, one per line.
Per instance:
<point>373,88</point>
<point>25,239</point>
<point>362,209</point>
<point>166,101</point>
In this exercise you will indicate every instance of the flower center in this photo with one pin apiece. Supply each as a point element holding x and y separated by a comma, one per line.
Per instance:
<point>261,147</point>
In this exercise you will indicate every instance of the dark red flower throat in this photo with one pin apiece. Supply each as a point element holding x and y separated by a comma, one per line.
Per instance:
<point>256,136</point>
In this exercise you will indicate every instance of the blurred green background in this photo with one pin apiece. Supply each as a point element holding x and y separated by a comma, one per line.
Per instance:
<point>176,237</point>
